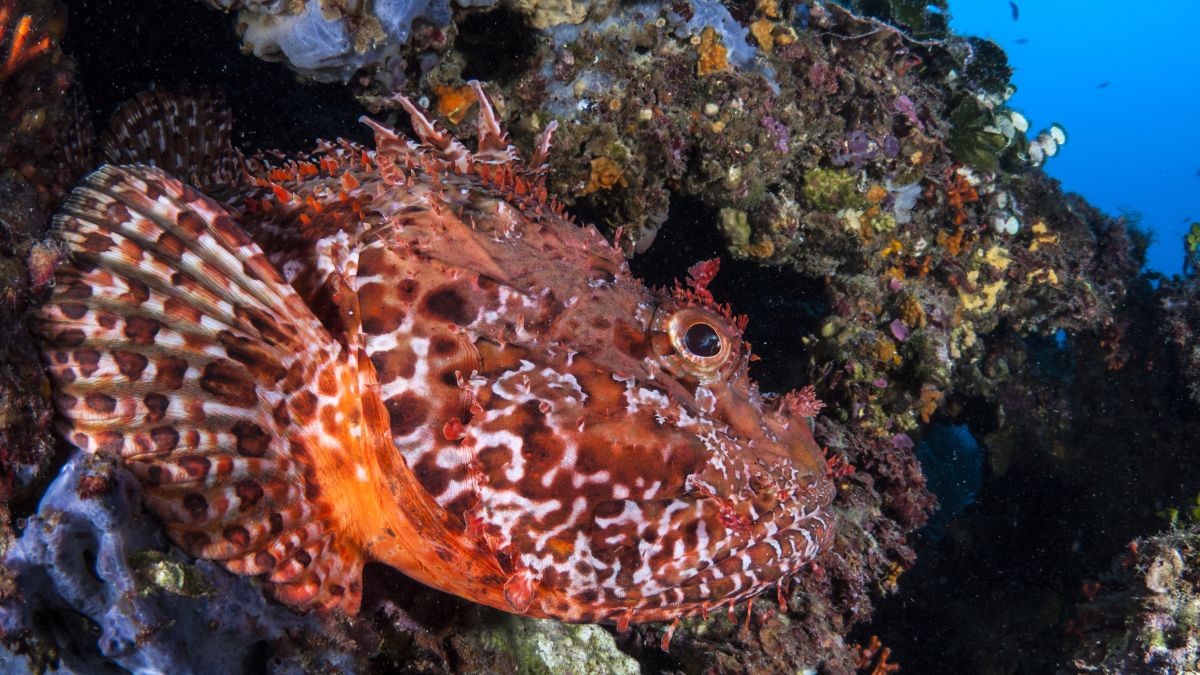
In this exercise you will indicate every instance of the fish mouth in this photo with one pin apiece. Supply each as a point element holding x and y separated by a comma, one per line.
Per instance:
<point>746,516</point>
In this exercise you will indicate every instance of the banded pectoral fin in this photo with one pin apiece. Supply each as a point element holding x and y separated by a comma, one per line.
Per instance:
<point>176,347</point>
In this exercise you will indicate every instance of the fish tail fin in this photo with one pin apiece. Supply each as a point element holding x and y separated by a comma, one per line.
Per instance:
<point>185,134</point>
<point>176,347</point>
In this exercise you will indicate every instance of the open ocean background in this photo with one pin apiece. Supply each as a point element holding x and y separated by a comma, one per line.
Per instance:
<point>1124,81</point>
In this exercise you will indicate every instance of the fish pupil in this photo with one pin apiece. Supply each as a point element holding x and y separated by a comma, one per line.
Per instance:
<point>702,340</point>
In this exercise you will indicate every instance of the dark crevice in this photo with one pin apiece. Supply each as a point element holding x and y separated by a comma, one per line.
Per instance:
<point>118,57</point>
<point>484,36</point>
<point>781,304</point>
<point>89,561</point>
<point>258,658</point>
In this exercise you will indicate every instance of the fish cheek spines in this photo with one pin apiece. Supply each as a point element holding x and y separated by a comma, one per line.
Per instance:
<point>638,496</point>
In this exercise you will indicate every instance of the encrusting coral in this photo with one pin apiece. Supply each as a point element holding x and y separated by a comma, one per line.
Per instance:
<point>863,153</point>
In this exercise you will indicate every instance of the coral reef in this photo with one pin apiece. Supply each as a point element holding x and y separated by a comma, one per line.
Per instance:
<point>45,137</point>
<point>1088,435</point>
<point>884,219</point>
<point>45,142</point>
<point>327,40</point>
<point>1179,304</point>
<point>1143,615</point>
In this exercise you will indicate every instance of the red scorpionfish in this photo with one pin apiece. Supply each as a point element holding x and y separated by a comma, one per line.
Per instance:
<point>410,355</point>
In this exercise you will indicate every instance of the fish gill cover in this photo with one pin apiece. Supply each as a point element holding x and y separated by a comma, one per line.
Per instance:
<point>877,209</point>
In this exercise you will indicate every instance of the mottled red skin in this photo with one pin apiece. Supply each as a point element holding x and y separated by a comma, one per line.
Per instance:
<point>490,403</point>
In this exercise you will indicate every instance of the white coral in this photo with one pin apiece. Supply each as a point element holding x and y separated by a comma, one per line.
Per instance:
<point>329,41</point>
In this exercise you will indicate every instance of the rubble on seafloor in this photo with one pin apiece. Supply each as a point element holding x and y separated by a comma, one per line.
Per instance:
<point>940,277</point>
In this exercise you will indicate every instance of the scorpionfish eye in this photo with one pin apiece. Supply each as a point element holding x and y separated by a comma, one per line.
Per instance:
<point>702,340</point>
<point>694,342</point>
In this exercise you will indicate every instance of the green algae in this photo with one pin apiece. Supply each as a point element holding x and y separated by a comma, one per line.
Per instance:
<point>157,572</point>
<point>973,139</point>
<point>545,647</point>
<point>986,68</point>
<point>735,225</point>
<point>1191,245</point>
<point>832,189</point>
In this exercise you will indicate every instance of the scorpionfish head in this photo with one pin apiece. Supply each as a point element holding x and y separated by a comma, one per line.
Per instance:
<point>628,462</point>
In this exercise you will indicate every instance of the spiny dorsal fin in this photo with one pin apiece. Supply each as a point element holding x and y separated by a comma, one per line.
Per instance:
<point>176,346</point>
<point>494,159</point>
<point>540,160</point>
<point>391,142</point>
<point>76,144</point>
<point>444,145</point>
<point>187,134</point>
<point>493,147</point>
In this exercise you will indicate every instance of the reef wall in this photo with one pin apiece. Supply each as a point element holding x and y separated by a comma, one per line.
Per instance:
<point>884,220</point>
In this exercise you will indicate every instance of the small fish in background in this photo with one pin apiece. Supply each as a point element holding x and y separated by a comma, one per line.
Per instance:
<point>1197,173</point>
<point>1021,41</point>
<point>1102,85</point>
<point>1016,11</point>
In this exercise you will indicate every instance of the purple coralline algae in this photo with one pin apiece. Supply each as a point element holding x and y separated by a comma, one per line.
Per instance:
<point>780,131</point>
<point>906,107</point>
<point>857,149</point>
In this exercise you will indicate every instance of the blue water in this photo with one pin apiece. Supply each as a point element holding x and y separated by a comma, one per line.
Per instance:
<point>952,461</point>
<point>1133,145</point>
